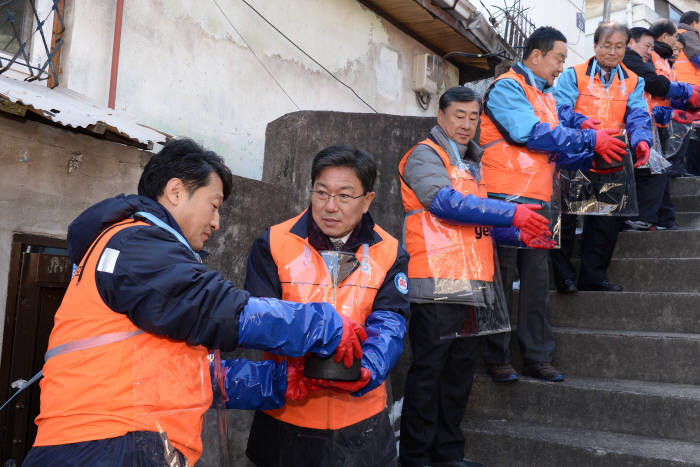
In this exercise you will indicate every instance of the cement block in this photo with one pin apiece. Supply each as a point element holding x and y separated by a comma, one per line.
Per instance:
<point>627,311</point>
<point>504,443</point>
<point>647,356</point>
<point>659,244</point>
<point>624,406</point>
<point>686,203</point>
<point>688,219</point>
<point>685,186</point>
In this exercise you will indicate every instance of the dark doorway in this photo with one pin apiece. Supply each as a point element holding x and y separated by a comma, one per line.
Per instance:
<point>39,275</point>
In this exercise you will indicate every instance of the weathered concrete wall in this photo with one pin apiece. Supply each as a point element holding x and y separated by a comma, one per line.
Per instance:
<point>49,175</point>
<point>184,69</point>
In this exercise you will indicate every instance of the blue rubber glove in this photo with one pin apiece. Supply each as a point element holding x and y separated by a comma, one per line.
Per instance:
<point>289,328</point>
<point>546,138</point>
<point>252,385</point>
<point>662,115</point>
<point>680,91</point>
<point>453,206</point>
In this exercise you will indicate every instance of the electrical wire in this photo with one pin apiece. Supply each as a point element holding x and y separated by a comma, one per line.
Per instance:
<point>223,13</point>
<point>307,55</point>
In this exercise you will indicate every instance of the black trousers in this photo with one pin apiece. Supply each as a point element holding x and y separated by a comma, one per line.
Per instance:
<point>597,245</point>
<point>655,204</point>
<point>692,154</point>
<point>437,388</point>
<point>534,329</point>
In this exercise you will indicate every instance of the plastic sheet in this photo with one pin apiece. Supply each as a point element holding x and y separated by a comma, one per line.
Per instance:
<point>671,140</point>
<point>601,194</point>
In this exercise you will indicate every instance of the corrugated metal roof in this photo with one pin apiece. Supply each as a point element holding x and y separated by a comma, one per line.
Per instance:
<point>73,110</point>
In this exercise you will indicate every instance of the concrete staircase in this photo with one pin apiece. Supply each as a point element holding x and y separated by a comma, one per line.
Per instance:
<point>631,361</point>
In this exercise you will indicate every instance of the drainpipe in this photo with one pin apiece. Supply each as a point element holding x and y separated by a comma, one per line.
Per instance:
<point>115,53</point>
<point>629,13</point>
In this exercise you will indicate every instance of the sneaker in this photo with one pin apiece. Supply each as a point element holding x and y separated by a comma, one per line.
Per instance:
<point>502,373</point>
<point>544,371</point>
<point>672,227</point>
<point>638,226</point>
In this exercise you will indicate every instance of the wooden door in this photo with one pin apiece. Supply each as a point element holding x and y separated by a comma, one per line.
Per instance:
<point>42,280</point>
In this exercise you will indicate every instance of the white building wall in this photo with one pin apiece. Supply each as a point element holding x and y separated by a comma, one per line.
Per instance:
<point>184,69</point>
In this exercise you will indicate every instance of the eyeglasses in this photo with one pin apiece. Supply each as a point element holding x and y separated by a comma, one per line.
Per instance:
<point>341,198</point>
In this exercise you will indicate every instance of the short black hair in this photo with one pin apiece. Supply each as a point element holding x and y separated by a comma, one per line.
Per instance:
<point>345,155</point>
<point>636,33</point>
<point>661,26</point>
<point>458,94</point>
<point>607,28</point>
<point>689,17</point>
<point>542,39</point>
<point>186,160</point>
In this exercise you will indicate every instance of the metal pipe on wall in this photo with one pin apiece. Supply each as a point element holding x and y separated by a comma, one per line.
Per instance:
<point>115,54</point>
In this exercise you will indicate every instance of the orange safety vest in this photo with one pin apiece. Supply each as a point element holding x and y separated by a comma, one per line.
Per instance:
<point>607,105</point>
<point>141,383</point>
<point>686,71</point>
<point>662,68</point>
<point>441,250</point>
<point>304,278</point>
<point>514,169</point>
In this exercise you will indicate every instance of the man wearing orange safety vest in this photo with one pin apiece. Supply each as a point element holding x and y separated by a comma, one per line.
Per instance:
<point>608,93</point>
<point>656,211</point>
<point>687,68</point>
<point>127,376</point>
<point>525,144</point>
<point>448,233</point>
<point>335,422</point>
<point>687,65</point>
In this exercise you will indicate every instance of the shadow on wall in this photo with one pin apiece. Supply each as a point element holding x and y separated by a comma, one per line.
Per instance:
<point>291,142</point>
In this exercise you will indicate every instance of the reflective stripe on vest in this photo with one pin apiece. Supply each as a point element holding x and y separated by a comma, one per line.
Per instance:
<point>514,169</point>
<point>138,381</point>
<point>450,255</point>
<point>304,278</point>
<point>609,105</point>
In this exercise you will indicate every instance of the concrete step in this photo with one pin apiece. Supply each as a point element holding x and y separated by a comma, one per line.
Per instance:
<point>685,186</point>
<point>654,275</point>
<point>657,410</point>
<point>685,203</point>
<point>688,219</point>
<point>660,244</point>
<point>505,443</point>
<point>627,311</point>
<point>647,356</point>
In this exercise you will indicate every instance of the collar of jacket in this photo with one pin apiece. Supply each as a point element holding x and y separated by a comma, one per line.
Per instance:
<point>525,72</point>
<point>613,71</point>
<point>471,151</point>
<point>363,232</point>
<point>664,50</point>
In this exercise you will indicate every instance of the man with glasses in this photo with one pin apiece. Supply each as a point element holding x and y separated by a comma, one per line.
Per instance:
<point>338,422</point>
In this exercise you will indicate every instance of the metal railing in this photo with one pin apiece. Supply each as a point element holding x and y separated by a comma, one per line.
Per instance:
<point>512,23</point>
<point>19,27</point>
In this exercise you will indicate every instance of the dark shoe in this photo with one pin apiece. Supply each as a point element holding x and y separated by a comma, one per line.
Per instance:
<point>568,286</point>
<point>638,226</point>
<point>502,373</point>
<point>544,371</point>
<point>603,286</point>
<point>457,463</point>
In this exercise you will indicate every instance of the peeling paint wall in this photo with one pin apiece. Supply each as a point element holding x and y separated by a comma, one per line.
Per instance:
<point>186,68</point>
<point>49,175</point>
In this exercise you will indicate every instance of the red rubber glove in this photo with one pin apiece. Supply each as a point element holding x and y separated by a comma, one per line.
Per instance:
<point>350,342</point>
<point>608,147</point>
<point>542,242</point>
<point>528,221</point>
<point>642,152</point>
<point>590,124</point>
<point>298,386</point>
<point>342,386</point>
<point>694,100</point>
<point>681,116</point>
